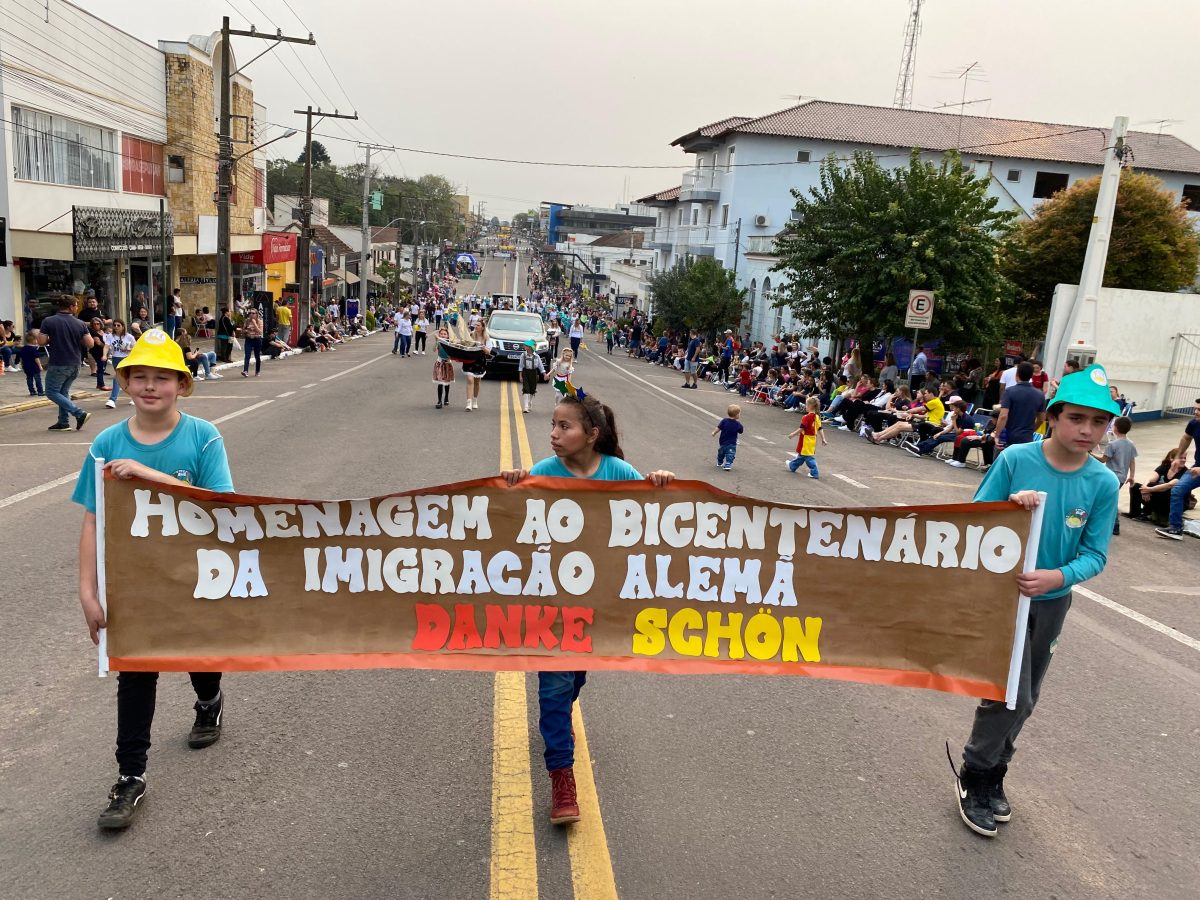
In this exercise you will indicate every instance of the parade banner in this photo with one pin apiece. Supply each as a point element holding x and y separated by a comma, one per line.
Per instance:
<point>563,574</point>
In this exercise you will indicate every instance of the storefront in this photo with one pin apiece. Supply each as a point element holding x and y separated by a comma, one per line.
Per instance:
<point>270,268</point>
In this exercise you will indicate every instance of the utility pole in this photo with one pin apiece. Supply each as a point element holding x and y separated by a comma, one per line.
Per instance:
<point>304,243</point>
<point>366,231</point>
<point>7,294</point>
<point>225,149</point>
<point>1096,256</point>
<point>737,248</point>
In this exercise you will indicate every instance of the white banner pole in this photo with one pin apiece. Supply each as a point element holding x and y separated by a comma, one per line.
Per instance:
<point>101,589</point>
<point>1018,648</point>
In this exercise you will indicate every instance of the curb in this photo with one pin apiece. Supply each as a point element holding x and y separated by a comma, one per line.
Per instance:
<point>41,402</point>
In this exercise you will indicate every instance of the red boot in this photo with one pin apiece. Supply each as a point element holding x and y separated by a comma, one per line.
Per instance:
<point>564,807</point>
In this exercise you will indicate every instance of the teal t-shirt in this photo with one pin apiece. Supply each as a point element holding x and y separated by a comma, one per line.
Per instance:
<point>1081,508</point>
<point>194,453</point>
<point>611,469</point>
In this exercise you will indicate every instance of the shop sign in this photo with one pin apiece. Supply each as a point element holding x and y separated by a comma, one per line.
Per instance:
<point>197,279</point>
<point>277,246</point>
<point>102,233</point>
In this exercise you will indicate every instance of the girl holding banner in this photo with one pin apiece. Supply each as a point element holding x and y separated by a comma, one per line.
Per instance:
<point>583,436</point>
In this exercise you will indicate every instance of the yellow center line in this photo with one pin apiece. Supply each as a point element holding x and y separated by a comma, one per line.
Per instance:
<point>591,865</point>
<point>514,849</point>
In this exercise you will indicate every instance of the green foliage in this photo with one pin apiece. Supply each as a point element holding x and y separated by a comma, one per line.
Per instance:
<point>702,295</point>
<point>429,198</point>
<point>320,156</point>
<point>370,320</point>
<point>1154,246</point>
<point>866,236</point>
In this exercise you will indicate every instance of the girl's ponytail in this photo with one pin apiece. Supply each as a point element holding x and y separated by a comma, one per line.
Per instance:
<point>594,414</point>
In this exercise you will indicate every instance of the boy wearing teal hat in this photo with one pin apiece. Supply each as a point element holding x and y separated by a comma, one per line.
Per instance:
<point>1077,523</point>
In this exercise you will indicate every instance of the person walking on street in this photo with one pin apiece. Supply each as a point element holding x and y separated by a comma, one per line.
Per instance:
<point>98,352</point>
<point>476,370</point>
<point>1081,506</point>
<point>1189,479</point>
<point>691,360</point>
<point>120,343</point>
<point>67,338</point>
<point>443,370</point>
<point>175,319</point>
<point>576,335</point>
<point>283,322</point>
<point>531,370</point>
<point>31,364</point>
<point>252,330</point>
<point>420,332</point>
<point>1021,409</point>
<point>158,444</point>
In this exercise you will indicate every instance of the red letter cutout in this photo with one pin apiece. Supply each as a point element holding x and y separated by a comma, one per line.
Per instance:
<point>574,620</point>
<point>538,620</point>
<point>433,627</point>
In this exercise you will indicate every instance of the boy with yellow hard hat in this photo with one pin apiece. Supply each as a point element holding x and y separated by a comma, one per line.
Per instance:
<point>159,444</point>
<point>1077,523</point>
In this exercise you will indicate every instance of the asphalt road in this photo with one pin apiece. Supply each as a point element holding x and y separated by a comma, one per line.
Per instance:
<point>383,784</point>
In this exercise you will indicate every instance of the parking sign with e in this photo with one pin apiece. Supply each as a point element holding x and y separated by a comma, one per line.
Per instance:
<point>920,310</point>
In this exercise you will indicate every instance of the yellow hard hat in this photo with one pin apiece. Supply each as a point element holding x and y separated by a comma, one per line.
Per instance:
<point>156,349</point>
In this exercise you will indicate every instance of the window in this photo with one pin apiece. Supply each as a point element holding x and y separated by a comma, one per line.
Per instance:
<point>679,218</point>
<point>729,160</point>
<point>1014,175</point>
<point>57,150</point>
<point>1191,193</point>
<point>175,170</point>
<point>751,297</point>
<point>802,156</point>
<point>725,216</point>
<point>141,166</point>
<point>1047,184</point>
<point>695,214</point>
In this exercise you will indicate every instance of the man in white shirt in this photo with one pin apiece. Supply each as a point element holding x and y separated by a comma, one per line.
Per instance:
<point>1009,376</point>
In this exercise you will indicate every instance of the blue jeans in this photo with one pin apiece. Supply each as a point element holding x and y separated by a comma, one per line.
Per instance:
<point>33,380</point>
<point>253,347</point>
<point>929,444</point>
<point>725,454</point>
<point>1179,494</point>
<point>58,388</point>
<point>557,692</point>
<point>405,342</point>
<point>802,460</point>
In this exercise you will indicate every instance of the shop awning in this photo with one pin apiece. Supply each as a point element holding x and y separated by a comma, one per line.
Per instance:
<point>348,277</point>
<point>375,279</point>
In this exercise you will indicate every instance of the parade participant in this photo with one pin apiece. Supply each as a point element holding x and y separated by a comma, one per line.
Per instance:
<point>728,428</point>
<point>252,328</point>
<point>98,352</point>
<point>584,439</point>
<point>476,370</point>
<point>806,447</point>
<point>561,372</point>
<point>66,336</point>
<point>532,370</point>
<point>120,343</point>
<point>163,445</point>
<point>576,334</point>
<point>1081,506</point>
<point>404,333</point>
<point>420,332</point>
<point>443,371</point>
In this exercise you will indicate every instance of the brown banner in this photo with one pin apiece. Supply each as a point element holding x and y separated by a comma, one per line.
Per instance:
<point>562,574</point>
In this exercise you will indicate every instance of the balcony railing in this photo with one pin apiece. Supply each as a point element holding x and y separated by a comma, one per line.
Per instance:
<point>701,184</point>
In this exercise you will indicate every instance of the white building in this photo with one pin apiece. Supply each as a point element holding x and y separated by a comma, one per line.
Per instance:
<point>86,110</point>
<point>737,197</point>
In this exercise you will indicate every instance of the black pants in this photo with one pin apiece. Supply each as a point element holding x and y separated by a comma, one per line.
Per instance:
<point>986,446</point>
<point>419,340</point>
<point>996,726</point>
<point>135,713</point>
<point>723,368</point>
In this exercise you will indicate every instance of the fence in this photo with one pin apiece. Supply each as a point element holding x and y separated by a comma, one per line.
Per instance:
<point>1183,380</point>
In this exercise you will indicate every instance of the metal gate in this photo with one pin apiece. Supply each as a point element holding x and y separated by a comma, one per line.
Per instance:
<point>1183,380</point>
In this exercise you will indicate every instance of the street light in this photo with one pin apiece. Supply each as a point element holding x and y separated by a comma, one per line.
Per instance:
<point>291,132</point>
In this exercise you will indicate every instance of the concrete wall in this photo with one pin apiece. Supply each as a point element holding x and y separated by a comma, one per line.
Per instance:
<point>1134,336</point>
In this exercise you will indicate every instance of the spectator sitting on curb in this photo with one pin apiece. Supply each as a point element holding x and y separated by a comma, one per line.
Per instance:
<point>195,358</point>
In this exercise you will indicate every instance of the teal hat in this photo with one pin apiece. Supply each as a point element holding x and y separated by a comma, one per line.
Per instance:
<point>1087,388</point>
<point>531,343</point>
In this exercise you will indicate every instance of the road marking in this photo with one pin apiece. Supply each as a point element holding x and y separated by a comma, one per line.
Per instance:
<point>655,387</point>
<point>514,872</point>
<point>591,865</point>
<point>522,434</point>
<point>353,368</point>
<point>953,484</point>
<point>1152,624</point>
<point>759,437</point>
<point>850,481</point>
<point>52,444</point>
<point>223,397</point>
<point>899,503</point>
<point>314,384</point>
<point>242,411</point>
<point>286,394</point>
<point>40,489</point>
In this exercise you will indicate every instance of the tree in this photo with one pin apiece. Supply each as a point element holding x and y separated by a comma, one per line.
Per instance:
<point>1154,246</point>
<point>702,295</point>
<point>866,236</point>
<point>320,156</point>
<point>495,221</point>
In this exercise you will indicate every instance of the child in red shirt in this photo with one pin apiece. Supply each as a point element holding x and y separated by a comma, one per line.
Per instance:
<point>745,379</point>
<point>806,447</point>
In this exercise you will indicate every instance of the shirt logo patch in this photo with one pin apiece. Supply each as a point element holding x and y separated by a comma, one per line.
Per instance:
<point>1099,378</point>
<point>183,475</point>
<point>1077,518</point>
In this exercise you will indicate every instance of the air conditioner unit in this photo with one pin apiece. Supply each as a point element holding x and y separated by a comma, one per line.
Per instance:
<point>761,222</point>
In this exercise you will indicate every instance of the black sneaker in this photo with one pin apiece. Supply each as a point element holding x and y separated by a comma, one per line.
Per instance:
<point>59,426</point>
<point>912,449</point>
<point>1001,811</point>
<point>80,421</point>
<point>123,802</point>
<point>207,729</point>
<point>1175,534</point>
<point>974,803</point>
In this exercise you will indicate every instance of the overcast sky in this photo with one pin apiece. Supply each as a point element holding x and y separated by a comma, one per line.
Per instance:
<point>615,82</point>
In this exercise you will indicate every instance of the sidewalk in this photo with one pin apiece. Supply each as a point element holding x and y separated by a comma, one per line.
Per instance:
<point>14,395</point>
